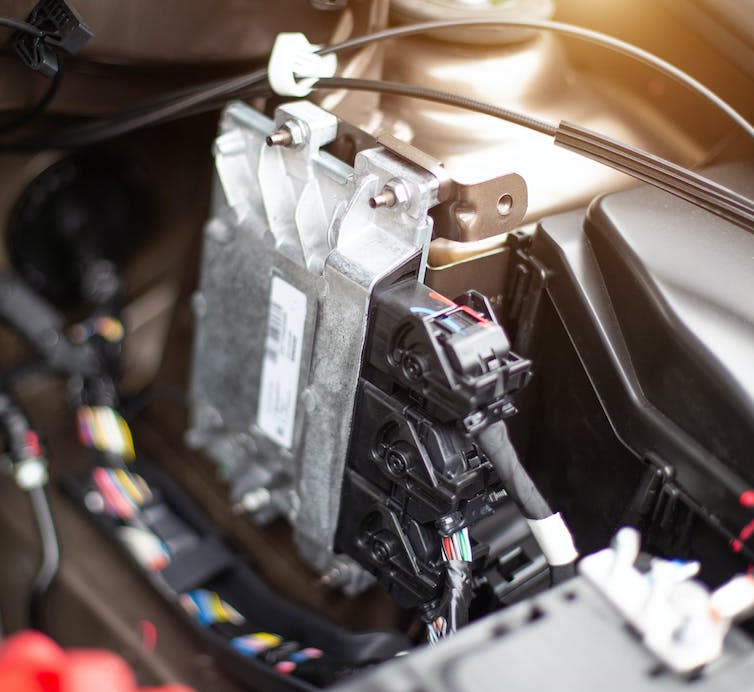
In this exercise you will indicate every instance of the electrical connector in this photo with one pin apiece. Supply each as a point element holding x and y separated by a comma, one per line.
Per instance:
<point>678,619</point>
<point>62,29</point>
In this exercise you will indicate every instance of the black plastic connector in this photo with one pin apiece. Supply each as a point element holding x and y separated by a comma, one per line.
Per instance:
<point>450,353</point>
<point>414,472</point>
<point>63,30</point>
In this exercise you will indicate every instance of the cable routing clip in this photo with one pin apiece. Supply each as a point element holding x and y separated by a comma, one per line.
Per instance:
<point>294,57</point>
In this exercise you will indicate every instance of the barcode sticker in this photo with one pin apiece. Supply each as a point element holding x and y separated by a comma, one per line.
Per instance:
<point>278,393</point>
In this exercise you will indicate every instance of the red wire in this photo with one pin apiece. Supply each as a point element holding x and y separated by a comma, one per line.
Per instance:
<point>448,545</point>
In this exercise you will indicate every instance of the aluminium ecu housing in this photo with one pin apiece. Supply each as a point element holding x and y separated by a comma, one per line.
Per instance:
<point>293,243</point>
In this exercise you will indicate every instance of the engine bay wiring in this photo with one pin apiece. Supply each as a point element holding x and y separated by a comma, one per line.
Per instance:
<point>324,363</point>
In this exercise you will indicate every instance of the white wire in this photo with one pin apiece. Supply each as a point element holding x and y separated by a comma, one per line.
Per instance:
<point>457,546</point>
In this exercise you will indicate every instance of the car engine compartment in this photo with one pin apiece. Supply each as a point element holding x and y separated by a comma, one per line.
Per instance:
<point>381,345</point>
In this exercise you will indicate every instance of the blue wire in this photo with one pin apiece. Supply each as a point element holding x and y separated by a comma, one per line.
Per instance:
<point>419,310</point>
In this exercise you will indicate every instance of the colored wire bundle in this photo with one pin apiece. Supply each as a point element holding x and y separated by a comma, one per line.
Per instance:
<point>104,429</point>
<point>145,547</point>
<point>457,546</point>
<point>209,609</point>
<point>109,328</point>
<point>289,655</point>
<point>253,645</point>
<point>457,552</point>
<point>122,491</point>
<point>297,658</point>
<point>437,629</point>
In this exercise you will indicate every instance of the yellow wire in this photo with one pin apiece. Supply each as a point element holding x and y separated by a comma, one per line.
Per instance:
<point>217,607</point>
<point>128,439</point>
<point>266,638</point>
<point>100,437</point>
<point>127,482</point>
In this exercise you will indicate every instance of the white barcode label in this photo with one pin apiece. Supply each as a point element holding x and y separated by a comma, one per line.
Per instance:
<point>278,392</point>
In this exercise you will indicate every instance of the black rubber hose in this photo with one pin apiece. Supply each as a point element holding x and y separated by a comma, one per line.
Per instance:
<point>48,569</point>
<point>494,443</point>
<point>458,592</point>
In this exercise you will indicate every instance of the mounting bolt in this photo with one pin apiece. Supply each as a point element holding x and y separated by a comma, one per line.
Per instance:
<point>291,133</point>
<point>281,137</point>
<point>412,368</point>
<point>380,550</point>
<point>394,194</point>
<point>397,460</point>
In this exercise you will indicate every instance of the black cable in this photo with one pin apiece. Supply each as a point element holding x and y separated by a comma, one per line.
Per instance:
<point>37,109</point>
<point>164,109</point>
<point>659,172</point>
<point>445,97</point>
<point>555,541</point>
<point>495,444</point>
<point>48,569</point>
<point>648,168</point>
<point>20,25</point>
<point>581,33</point>
<point>168,106</point>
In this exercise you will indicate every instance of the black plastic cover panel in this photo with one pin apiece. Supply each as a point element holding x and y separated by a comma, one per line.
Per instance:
<point>682,285</point>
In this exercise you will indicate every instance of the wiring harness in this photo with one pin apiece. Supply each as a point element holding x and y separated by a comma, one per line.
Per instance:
<point>630,160</point>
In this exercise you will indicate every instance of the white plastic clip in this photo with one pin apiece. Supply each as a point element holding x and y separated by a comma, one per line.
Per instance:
<point>294,57</point>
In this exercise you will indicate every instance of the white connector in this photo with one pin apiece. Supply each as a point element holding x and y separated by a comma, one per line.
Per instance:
<point>679,620</point>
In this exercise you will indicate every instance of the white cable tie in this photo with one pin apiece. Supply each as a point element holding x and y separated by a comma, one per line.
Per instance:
<point>294,57</point>
<point>554,538</point>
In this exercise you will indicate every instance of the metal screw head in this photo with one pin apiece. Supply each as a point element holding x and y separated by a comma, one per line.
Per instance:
<point>396,462</point>
<point>380,550</point>
<point>412,368</point>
